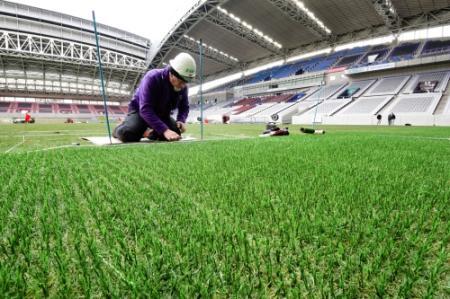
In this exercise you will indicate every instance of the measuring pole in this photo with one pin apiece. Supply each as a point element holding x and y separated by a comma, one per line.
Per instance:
<point>322,91</point>
<point>201,88</point>
<point>101,78</point>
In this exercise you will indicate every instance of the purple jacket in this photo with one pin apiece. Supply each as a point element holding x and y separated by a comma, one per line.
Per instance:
<point>155,99</point>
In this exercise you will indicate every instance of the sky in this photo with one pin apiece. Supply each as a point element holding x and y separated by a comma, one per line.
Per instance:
<point>148,18</point>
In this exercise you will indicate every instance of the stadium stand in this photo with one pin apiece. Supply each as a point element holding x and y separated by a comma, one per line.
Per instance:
<point>436,47</point>
<point>126,57</point>
<point>377,54</point>
<point>436,81</point>
<point>282,111</point>
<point>265,103</point>
<point>247,101</point>
<point>115,110</point>
<point>354,89</point>
<point>356,57</point>
<point>315,113</point>
<point>415,103</point>
<point>316,64</point>
<point>325,63</point>
<point>366,105</point>
<point>277,98</point>
<point>64,108</point>
<point>351,57</point>
<point>4,106</point>
<point>213,113</point>
<point>388,85</point>
<point>57,110</point>
<point>45,108</point>
<point>242,109</point>
<point>326,91</point>
<point>348,61</point>
<point>261,108</point>
<point>24,107</point>
<point>83,109</point>
<point>288,70</point>
<point>404,52</point>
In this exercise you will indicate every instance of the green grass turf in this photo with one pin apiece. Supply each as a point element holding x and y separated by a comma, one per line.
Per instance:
<point>360,212</point>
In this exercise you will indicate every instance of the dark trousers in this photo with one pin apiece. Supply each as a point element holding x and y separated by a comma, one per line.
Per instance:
<point>133,127</point>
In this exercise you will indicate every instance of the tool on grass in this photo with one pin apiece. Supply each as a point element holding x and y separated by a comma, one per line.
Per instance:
<point>311,131</point>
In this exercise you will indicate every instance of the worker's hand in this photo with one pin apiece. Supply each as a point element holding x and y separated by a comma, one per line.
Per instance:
<point>181,126</point>
<point>147,133</point>
<point>171,135</point>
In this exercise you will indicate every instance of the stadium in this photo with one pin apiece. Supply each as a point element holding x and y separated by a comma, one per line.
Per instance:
<point>357,209</point>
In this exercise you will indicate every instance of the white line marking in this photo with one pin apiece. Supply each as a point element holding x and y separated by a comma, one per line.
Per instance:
<point>62,134</point>
<point>416,137</point>
<point>52,148</point>
<point>18,144</point>
<point>123,145</point>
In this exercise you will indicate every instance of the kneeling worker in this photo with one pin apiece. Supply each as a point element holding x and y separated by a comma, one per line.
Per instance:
<point>160,92</point>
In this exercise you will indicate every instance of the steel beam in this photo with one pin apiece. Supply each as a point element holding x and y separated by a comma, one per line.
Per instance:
<point>193,47</point>
<point>291,10</point>
<point>220,19</point>
<point>387,11</point>
<point>200,10</point>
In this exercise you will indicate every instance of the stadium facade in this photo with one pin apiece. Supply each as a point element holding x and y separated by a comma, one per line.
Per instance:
<point>49,63</point>
<point>328,61</point>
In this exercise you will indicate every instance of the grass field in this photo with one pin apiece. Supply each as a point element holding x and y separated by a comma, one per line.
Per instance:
<point>360,212</point>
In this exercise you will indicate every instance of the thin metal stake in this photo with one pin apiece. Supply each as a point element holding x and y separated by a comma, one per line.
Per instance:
<point>322,91</point>
<point>201,88</point>
<point>101,78</point>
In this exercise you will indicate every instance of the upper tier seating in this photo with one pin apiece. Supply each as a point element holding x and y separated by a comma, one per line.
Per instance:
<point>436,47</point>
<point>404,52</point>
<point>348,60</point>
<point>379,55</point>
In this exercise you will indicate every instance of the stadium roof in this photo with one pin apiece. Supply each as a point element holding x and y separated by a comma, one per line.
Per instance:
<point>244,33</point>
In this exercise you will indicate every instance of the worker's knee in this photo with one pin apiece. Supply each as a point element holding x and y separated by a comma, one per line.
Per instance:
<point>125,134</point>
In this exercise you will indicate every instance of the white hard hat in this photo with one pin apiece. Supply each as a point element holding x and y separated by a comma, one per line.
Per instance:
<point>185,66</point>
